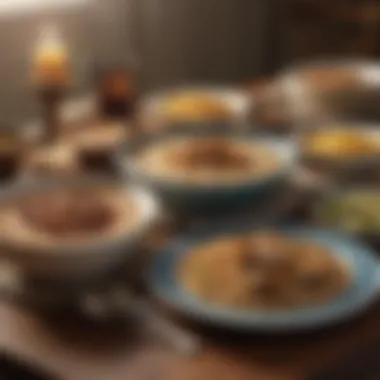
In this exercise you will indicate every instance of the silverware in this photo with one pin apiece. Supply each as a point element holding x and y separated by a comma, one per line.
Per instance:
<point>119,301</point>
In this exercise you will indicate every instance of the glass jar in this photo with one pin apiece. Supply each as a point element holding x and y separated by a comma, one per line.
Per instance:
<point>116,93</point>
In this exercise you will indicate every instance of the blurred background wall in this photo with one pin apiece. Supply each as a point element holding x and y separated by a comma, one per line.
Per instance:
<point>179,41</point>
<point>214,41</point>
<point>174,41</point>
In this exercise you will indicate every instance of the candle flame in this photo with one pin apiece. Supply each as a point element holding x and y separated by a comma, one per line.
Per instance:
<point>51,57</point>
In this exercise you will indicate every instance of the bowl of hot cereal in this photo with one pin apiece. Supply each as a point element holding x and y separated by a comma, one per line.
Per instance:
<point>73,229</point>
<point>211,171</point>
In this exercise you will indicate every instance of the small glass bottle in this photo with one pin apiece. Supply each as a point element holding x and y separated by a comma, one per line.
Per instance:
<point>116,93</point>
<point>115,61</point>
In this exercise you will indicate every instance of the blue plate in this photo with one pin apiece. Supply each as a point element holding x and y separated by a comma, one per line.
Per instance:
<point>201,198</point>
<point>358,297</point>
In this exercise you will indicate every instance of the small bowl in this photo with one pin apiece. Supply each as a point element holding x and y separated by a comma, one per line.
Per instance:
<point>215,198</point>
<point>154,119</point>
<point>363,291</point>
<point>84,260</point>
<point>358,103</point>
<point>344,165</point>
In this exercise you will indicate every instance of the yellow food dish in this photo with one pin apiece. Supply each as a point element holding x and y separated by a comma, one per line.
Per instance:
<point>263,270</point>
<point>341,144</point>
<point>196,107</point>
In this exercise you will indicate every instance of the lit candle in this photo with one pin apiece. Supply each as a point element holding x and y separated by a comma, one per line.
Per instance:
<point>51,63</point>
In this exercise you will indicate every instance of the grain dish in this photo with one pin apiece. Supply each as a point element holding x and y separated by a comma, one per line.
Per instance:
<point>196,106</point>
<point>264,270</point>
<point>68,216</point>
<point>342,144</point>
<point>208,160</point>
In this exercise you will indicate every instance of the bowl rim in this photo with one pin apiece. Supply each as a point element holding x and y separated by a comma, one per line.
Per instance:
<point>301,98</point>
<point>286,147</point>
<point>364,66</point>
<point>231,94</point>
<point>236,99</point>
<point>147,202</point>
<point>171,292</point>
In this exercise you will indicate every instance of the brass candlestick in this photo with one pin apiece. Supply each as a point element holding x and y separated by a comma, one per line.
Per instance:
<point>51,77</point>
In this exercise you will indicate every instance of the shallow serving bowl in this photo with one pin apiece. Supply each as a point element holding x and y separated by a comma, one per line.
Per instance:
<point>153,117</point>
<point>213,197</point>
<point>84,260</point>
<point>310,104</point>
<point>362,292</point>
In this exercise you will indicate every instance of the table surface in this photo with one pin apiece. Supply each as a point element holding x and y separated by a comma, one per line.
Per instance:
<point>79,352</point>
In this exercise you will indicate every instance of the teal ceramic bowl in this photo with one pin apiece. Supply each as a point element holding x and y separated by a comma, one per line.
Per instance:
<point>213,197</point>
<point>363,291</point>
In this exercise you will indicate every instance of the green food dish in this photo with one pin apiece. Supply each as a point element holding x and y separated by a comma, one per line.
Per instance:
<point>356,211</point>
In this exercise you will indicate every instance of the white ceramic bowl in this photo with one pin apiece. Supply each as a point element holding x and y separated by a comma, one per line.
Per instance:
<point>87,260</point>
<point>212,197</point>
<point>153,116</point>
<point>307,105</point>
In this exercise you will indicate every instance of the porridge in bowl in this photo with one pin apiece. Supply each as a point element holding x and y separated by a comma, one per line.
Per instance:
<point>208,160</point>
<point>264,270</point>
<point>69,216</point>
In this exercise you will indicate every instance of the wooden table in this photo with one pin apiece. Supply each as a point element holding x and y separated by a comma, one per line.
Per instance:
<point>80,353</point>
<point>76,351</point>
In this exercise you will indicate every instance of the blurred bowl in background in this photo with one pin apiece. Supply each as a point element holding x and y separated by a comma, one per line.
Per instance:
<point>267,108</point>
<point>194,107</point>
<point>333,90</point>
<point>214,191</point>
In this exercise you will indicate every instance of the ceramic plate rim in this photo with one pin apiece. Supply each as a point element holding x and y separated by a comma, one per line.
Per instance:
<point>281,144</point>
<point>306,319</point>
<point>148,203</point>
